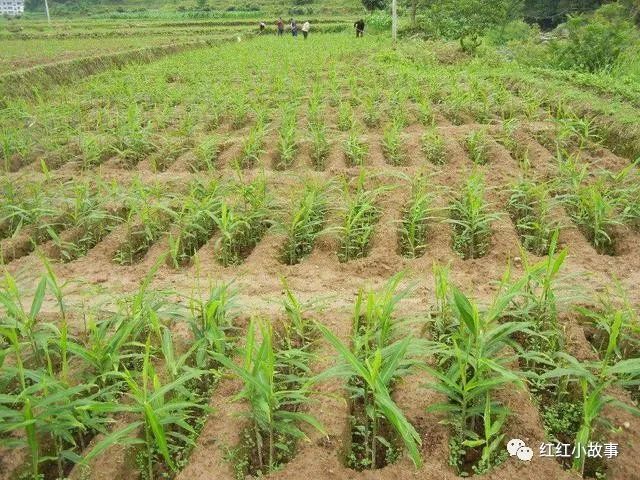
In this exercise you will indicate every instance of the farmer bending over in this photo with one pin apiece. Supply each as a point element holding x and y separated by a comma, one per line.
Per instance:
<point>305,29</point>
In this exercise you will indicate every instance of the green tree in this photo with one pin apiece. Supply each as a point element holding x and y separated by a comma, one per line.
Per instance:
<point>595,41</point>
<point>372,5</point>
<point>468,20</point>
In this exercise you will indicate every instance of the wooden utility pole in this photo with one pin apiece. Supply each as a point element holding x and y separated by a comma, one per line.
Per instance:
<point>394,20</point>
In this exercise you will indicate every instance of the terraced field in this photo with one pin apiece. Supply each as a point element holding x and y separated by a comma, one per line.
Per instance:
<point>447,230</point>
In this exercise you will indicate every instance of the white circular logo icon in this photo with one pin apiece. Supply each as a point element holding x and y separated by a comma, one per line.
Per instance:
<point>513,446</point>
<point>525,454</point>
<point>517,448</point>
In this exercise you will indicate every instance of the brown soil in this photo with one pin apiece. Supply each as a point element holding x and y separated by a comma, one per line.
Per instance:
<point>322,276</point>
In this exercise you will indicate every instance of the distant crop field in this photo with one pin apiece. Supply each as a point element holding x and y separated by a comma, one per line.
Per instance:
<point>19,54</point>
<point>31,43</point>
<point>331,257</point>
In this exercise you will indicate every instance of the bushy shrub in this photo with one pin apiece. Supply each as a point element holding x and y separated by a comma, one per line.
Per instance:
<point>379,20</point>
<point>467,21</point>
<point>594,42</point>
<point>515,31</point>
<point>372,5</point>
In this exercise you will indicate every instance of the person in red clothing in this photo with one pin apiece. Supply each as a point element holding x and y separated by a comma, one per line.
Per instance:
<point>280,25</point>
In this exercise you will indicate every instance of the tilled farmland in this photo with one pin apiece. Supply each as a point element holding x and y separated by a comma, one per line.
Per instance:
<point>329,259</point>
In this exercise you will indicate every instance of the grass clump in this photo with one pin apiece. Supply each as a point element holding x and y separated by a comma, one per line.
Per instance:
<point>276,387</point>
<point>471,219</point>
<point>477,145</point>
<point>207,152</point>
<point>149,216</point>
<point>414,225</point>
<point>530,207</point>
<point>472,366</point>
<point>253,147</point>
<point>433,147</point>
<point>242,223</point>
<point>595,208</point>
<point>377,358</point>
<point>360,216</point>
<point>196,222</point>
<point>306,223</point>
<point>319,145</point>
<point>287,144</point>
<point>355,149</point>
<point>392,147</point>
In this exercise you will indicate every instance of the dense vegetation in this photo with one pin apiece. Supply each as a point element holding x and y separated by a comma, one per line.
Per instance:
<point>459,210</point>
